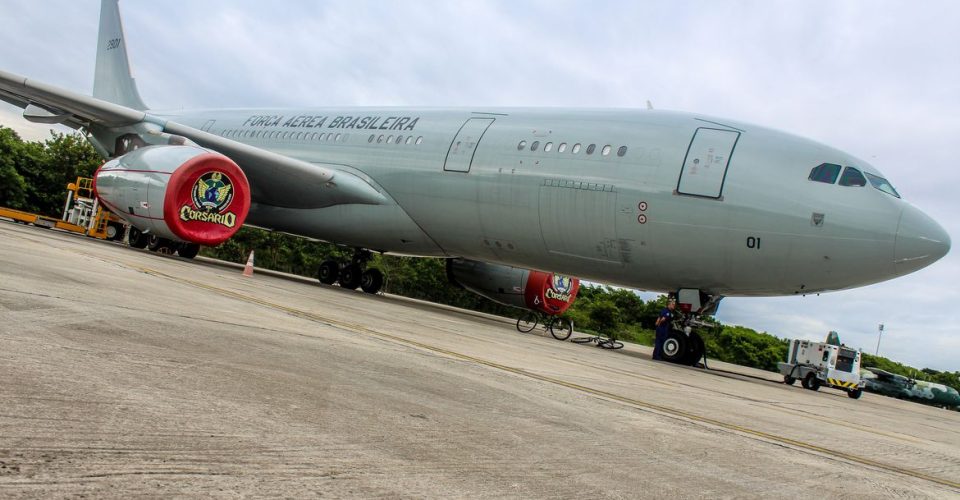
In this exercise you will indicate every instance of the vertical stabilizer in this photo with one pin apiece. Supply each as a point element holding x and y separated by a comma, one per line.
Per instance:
<point>112,81</point>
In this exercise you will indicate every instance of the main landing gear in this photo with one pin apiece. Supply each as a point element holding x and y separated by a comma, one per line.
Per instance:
<point>352,275</point>
<point>154,243</point>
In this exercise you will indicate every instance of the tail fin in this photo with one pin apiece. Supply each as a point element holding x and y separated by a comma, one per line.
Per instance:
<point>112,81</point>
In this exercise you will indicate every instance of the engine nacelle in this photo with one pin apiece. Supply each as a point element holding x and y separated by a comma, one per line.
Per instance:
<point>183,193</point>
<point>536,290</point>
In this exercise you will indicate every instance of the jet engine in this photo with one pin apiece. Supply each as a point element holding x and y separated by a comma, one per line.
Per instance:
<point>183,193</point>
<point>536,290</point>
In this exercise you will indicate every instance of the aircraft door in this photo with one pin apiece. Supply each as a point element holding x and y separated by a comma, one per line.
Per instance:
<point>705,166</point>
<point>464,145</point>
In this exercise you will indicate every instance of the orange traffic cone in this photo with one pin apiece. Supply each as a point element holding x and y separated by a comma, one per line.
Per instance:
<point>248,269</point>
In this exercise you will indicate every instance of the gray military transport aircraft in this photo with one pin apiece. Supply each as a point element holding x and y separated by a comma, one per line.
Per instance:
<point>672,202</point>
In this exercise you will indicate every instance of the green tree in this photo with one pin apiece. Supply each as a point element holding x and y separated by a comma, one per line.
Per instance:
<point>13,187</point>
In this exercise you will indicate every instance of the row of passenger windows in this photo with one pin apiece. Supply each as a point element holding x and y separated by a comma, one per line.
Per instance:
<point>275,134</point>
<point>391,139</point>
<point>575,149</point>
<point>829,172</point>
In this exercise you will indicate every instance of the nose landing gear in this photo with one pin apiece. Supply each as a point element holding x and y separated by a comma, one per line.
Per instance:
<point>683,344</point>
<point>351,275</point>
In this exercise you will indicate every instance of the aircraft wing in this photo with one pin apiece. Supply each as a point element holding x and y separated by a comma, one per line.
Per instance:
<point>275,179</point>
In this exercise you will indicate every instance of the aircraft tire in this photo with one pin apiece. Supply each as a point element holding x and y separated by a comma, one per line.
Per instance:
<point>811,382</point>
<point>695,350</point>
<point>157,244</point>
<point>137,239</point>
<point>675,347</point>
<point>371,281</point>
<point>350,277</point>
<point>855,393</point>
<point>188,250</point>
<point>329,272</point>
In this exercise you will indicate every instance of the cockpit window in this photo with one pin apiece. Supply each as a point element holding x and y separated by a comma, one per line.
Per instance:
<point>825,172</point>
<point>852,177</point>
<point>882,184</point>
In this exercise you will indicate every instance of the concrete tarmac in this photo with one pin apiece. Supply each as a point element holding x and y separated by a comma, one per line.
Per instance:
<point>126,373</point>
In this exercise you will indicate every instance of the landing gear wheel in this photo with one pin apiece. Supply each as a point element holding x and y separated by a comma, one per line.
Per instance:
<point>350,276</point>
<point>811,382</point>
<point>137,239</point>
<point>188,250</point>
<point>561,328</point>
<point>528,321</point>
<point>328,272</point>
<point>371,281</point>
<point>114,232</point>
<point>787,379</point>
<point>695,350</point>
<point>855,393</point>
<point>158,244</point>
<point>675,347</point>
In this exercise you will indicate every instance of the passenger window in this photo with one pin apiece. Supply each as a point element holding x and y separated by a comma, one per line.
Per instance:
<point>562,147</point>
<point>522,145</point>
<point>389,139</point>
<point>419,140</point>
<point>409,139</point>
<point>548,147</point>
<point>852,177</point>
<point>399,139</point>
<point>371,138</point>
<point>622,151</point>
<point>535,145</point>
<point>606,150</point>
<point>825,172</point>
<point>380,139</point>
<point>576,148</point>
<point>337,138</point>
<point>591,148</point>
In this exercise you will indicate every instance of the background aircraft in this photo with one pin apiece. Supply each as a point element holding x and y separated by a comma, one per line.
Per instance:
<point>900,387</point>
<point>646,199</point>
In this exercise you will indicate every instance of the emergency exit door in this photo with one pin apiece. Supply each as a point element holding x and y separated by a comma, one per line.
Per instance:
<point>705,167</point>
<point>464,145</point>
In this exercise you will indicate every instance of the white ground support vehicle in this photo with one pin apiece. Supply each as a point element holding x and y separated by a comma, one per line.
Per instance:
<point>819,363</point>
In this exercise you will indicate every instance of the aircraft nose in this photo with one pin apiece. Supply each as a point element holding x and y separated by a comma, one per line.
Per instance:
<point>920,241</point>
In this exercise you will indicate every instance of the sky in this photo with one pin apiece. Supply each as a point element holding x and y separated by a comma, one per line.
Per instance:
<point>877,79</point>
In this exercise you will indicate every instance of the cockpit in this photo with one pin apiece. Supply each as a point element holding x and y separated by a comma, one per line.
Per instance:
<point>828,173</point>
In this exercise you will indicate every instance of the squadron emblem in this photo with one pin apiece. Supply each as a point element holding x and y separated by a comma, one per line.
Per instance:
<point>561,288</point>
<point>211,196</point>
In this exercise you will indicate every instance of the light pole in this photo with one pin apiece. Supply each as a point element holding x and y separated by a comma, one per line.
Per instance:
<point>879,336</point>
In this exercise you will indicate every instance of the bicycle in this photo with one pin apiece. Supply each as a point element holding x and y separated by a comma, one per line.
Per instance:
<point>602,342</point>
<point>559,328</point>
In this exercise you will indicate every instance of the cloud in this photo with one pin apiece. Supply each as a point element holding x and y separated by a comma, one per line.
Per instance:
<point>875,79</point>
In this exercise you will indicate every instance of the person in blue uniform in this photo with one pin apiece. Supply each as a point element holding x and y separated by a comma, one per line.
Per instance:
<point>663,329</point>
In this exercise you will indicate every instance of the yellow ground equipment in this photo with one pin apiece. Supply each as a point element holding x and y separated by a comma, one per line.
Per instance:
<point>82,214</point>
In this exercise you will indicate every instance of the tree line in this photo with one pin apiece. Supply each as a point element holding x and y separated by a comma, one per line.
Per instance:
<point>33,177</point>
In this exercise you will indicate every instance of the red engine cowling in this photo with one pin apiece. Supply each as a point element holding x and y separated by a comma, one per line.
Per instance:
<point>537,290</point>
<point>183,193</point>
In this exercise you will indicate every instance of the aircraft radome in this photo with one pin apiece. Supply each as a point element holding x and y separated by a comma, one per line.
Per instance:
<point>674,202</point>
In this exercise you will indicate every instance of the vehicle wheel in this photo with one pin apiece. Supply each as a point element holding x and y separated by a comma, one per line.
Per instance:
<point>675,347</point>
<point>610,344</point>
<point>528,321</point>
<point>787,379</point>
<point>137,239</point>
<point>811,382</point>
<point>328,272</point>
<point>350,277</point>
<point>188,250</point>
<point>561,328</point>
<point>583,340</point>
<point>371,281</point>
<point>114,232</point>
<point>855,393</point>
<point>695,350</point>
<point>158,244</point>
